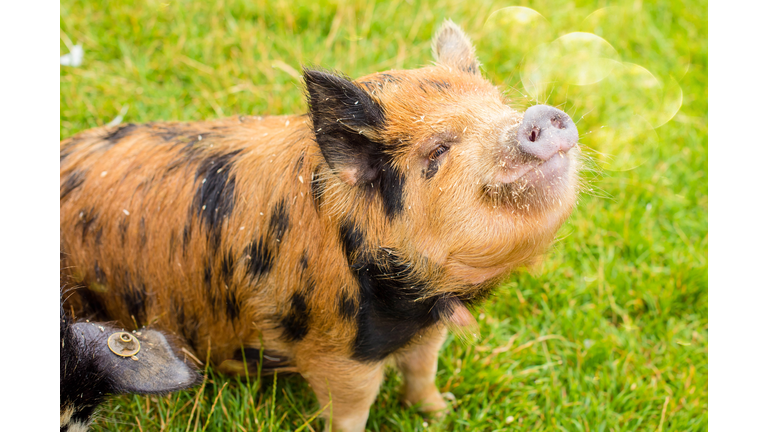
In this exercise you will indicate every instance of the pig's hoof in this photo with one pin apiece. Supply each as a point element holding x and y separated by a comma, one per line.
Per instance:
<point>432,404</point>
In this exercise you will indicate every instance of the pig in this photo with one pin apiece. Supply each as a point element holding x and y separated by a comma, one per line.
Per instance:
<point>90,370</point>
<point>336,242</point>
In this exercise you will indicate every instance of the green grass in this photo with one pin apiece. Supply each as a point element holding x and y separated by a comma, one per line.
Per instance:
<point>608,334</point>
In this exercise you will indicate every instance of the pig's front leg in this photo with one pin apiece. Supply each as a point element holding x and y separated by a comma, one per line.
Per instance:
<point>352,387</point>
<point>418,364</point>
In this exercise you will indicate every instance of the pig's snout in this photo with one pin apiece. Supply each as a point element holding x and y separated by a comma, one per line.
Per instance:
<point>545,131</point>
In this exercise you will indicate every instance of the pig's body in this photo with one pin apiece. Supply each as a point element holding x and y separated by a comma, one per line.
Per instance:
<point>337,242</point>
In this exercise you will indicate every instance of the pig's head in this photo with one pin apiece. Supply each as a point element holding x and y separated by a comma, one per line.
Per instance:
<point>431,169</point>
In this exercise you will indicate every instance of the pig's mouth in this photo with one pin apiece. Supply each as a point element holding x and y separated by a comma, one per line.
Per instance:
<point>533,171</point>
<point>528,182</point>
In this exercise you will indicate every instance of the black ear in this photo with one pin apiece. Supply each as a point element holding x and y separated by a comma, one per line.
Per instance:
<point>153,369</point>
<point>347,121</point>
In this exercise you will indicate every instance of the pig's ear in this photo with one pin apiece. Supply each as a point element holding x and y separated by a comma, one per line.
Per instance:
<point>154,368</point>
<point>346,121</point>
<point>451,47</point>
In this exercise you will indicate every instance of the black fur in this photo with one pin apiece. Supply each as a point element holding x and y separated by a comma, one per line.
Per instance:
<point>135,299</point>
<point>66,150</point>
<point>387,78</point>
<point>392,308</point>
<point>343,112</point>
<point>73,181</point>
<point>254,358</point>
<point>261,258</point>
<point>97,237</point>
<point>233,305</point>
<point>93,307</point>
<point>431,169</point>
<point>296,323</point>
<point>215,195</point>
<point>304,261</point>
<point>347,307</point>
<point>214,296</point>
<point>170,132</point>
<point>352,239</point>
<point>86,218</point>
<point>186,236</point>
<point>439,85</point>
<point>189,326</point>
<point>279,221</point>
<point>389,184</point>
<point>227,267</point>
<point>121,132</point>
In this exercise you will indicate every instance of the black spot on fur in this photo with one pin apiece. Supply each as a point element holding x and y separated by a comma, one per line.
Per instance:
<point>347,307</point>
<point>300,162</point>
<point>370,85</point>
<point>431,169</point>
<point>296,323</point>
<point>233,305</point>
<point>387,78</point>
<point>278,221</point>
<point>118,134</point>
<point>135,300</point>
<point>304,261</point>
<point>189,325</point>
<point>440,85</point>
<point>169,132</point>
<point>92,305</point>
<point>215,196</point>
<point>389,184</point>
<point>352,240</point>
<point>86,220</point>
<point>392,308</point>
<point>213,293</point>
<point>66,150</point>
<point>73,181</point>
<point>227,267</point>
<point>254,359</point>
<point>186,236</point>
<point>97,238</point>
<point>261,258</point>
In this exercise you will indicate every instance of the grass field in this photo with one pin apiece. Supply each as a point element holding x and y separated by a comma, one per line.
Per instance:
<point>608,334</point>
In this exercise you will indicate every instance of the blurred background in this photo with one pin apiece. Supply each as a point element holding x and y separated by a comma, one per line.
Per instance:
<point>609,333</point>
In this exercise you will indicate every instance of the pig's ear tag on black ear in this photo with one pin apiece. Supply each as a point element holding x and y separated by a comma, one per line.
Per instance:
<point>123,344</point>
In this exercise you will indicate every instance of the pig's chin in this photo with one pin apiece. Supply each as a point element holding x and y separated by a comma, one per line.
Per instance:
<point>535,173</point>
<point>531,184</point>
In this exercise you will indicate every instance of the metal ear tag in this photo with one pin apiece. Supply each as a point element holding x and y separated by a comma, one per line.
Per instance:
<point>123,344</point>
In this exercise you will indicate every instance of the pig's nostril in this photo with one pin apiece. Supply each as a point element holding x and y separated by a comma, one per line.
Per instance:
<point>534,134</point>
<point>558,123</point>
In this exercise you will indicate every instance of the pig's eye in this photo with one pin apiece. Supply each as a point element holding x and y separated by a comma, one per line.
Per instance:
<point>438,151</point>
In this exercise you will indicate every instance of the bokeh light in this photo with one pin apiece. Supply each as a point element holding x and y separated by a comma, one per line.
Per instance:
<point>617,103</point>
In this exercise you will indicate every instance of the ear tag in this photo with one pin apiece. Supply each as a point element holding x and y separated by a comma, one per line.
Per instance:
<point>123,344</point>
